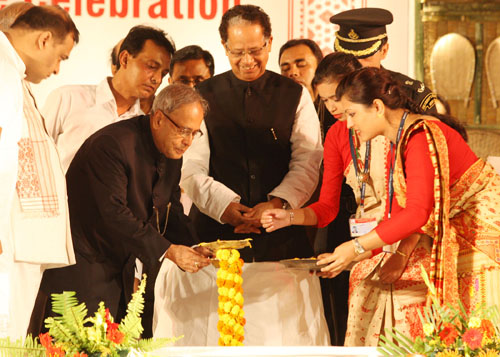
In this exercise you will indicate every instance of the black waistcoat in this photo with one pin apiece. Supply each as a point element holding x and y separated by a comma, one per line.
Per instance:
<point>249,125</point>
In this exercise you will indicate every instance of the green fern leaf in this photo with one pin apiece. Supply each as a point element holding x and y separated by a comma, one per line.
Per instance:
<point>151,344</point>
<point>30,347</point>
<point>131,325</point>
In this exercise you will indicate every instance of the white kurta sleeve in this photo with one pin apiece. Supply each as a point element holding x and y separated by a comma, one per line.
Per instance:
<point>210,196</point>
<point>54,112</point>
<point>307,151</point>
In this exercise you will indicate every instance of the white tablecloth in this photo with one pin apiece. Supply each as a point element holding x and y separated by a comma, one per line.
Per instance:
<point>283,307</point>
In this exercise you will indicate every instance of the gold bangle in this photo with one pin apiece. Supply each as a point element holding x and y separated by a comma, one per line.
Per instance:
<point>291,216</point>
<point>401,253</point>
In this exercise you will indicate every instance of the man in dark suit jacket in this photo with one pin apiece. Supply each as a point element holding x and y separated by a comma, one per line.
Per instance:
<point>123,194</point>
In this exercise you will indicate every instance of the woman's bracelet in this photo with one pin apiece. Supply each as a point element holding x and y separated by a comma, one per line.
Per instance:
<point>290,212</point>
<point>401,253</point>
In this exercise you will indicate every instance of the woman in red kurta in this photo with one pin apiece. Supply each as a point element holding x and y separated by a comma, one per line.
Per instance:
<point>386,290</point>
<point>444,189</point>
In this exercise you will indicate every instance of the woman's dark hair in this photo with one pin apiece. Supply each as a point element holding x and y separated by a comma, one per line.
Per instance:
<point>365,85</point>
<point>334,67</point>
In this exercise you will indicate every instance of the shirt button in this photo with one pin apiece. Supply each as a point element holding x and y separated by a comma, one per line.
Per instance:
<point>252,177</point>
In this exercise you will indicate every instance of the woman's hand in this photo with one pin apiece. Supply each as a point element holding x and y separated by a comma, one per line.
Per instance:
<point>393,268</point>
<point>273,219</point>
<point>337,261</point>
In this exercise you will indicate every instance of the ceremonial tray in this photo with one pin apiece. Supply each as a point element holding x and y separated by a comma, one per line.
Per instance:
<point>303,264</point>
<point>226,244</point>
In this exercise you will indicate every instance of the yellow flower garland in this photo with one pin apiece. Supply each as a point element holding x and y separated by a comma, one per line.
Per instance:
<point>231,314</point>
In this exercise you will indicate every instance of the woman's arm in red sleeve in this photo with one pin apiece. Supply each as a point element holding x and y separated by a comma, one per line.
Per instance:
<point>327,207</point>
<point>419,192</point>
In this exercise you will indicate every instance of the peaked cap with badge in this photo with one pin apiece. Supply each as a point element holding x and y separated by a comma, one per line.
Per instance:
<point>361,31</point>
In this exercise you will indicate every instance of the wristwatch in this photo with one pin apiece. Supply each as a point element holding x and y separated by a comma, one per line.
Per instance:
<point>284,203</point>
<point>358,248</point>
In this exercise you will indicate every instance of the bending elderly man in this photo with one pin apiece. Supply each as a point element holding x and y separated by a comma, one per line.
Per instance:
<point>123,194</point>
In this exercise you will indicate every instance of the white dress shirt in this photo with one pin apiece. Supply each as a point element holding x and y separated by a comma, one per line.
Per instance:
<point>73,113</point>
<point>212,197</point>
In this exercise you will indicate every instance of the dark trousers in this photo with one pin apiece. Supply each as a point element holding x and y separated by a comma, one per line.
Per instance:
<point>336,291</point>
<point>93,282</point>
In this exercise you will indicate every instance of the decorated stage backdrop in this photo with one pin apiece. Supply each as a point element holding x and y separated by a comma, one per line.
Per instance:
<point>102,23</point>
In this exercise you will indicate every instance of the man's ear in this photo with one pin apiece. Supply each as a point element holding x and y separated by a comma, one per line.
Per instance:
<point>43,39</point>
<point>123,57</point>
<point>384,50</point>
<point>156,120</point>
<point>224,45</point>
<point>269,43</point>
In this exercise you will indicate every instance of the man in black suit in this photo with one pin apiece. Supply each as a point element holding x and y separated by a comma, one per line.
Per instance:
<point>123,194</point>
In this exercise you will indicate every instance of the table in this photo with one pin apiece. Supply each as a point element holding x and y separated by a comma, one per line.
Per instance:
<point>283,307</point>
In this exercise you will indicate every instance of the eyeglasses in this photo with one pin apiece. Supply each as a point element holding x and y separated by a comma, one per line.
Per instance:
<point>253,52</point>
<point>188,82</point>
<point>182,131</point>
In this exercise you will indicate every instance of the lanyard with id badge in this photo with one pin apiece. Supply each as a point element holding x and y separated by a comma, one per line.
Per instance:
<point>358,225</point>
<point>392,248</point>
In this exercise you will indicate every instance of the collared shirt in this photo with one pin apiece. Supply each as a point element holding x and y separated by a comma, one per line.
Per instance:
<point>212,197</point>
<point>73,113</point>
<point>12,71</point>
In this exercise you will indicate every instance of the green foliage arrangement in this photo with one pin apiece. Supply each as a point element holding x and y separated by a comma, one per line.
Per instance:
<point>76,335</point>
<point>448,332</point>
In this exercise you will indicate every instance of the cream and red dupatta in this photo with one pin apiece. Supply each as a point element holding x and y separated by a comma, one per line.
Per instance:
<point>464,224</point>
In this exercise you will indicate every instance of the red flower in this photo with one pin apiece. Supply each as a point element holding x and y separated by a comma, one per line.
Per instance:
<point>107,316</point>
<point>112,332</point>
<point>473,338</point>
<point>115,336</point>
<point>50,349</point>
<point>449,334</point>
<point>45,339</point>
<point>487,328</point>
<point>80,354</point>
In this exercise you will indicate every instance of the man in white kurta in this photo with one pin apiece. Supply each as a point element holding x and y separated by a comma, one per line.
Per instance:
<point>34,225</point>
<point>75,112</point>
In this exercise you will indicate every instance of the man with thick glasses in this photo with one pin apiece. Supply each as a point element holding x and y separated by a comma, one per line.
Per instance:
<point>261,148</point>
<point>123,195</point>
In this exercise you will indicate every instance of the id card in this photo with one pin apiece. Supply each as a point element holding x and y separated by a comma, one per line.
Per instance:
<point>361,226</point>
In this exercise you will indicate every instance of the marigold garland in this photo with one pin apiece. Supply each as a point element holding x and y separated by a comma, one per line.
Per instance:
<point>231,314</point>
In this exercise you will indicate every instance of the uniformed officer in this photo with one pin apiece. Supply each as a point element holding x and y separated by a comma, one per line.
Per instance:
<point>363,33</point>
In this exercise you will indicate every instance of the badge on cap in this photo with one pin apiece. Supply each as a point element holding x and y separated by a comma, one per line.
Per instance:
<point>353,35</point>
